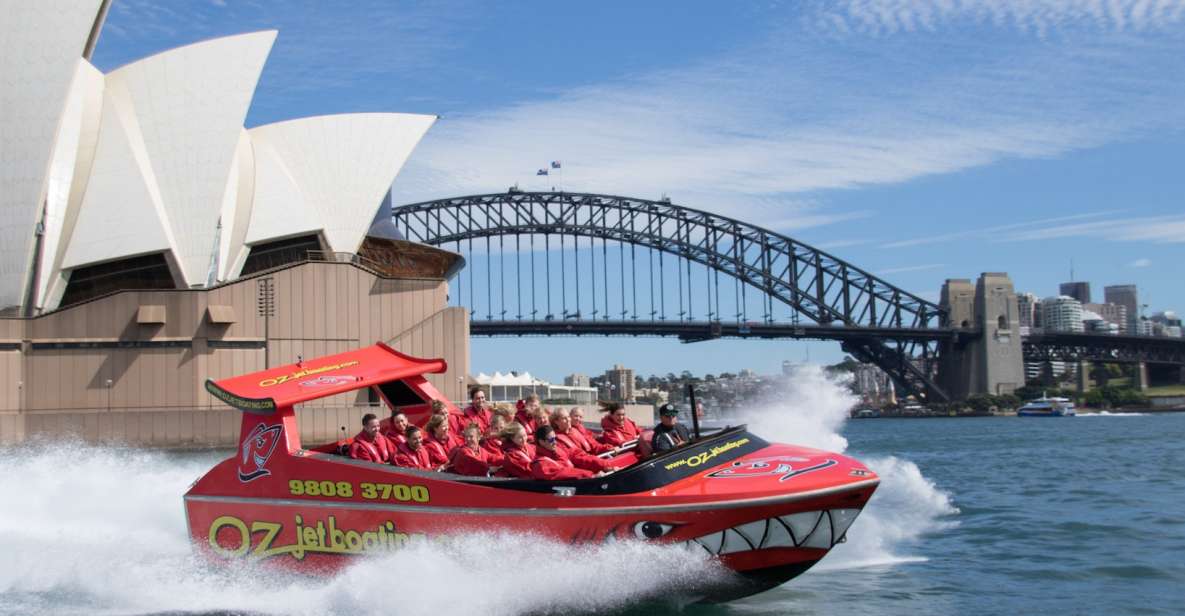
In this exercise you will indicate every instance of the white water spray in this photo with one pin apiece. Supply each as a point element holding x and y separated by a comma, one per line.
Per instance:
<point>811,411</point>
<point>102,530</point>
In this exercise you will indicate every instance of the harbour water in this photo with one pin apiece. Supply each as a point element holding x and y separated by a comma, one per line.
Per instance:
<point>974,516</point>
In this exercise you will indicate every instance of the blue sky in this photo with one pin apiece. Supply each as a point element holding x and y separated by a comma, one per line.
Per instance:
<point>920,140</point>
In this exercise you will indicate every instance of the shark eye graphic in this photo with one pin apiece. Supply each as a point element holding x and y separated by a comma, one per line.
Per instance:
<point>651,530</point>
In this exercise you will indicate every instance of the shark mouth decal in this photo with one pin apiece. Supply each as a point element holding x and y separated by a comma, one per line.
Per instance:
<point>809,529</point>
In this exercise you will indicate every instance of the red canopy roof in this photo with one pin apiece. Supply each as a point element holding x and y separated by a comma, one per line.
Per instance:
<point>262,392</point>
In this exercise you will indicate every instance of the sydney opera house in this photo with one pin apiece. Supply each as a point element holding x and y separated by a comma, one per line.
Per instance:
<point>149,241</point>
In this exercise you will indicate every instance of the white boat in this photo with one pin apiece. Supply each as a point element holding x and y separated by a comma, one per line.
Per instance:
<point>1047,407</point>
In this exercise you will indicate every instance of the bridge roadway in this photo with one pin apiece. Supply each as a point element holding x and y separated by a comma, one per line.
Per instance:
<point>1051,346</point>
<point>695,331</point>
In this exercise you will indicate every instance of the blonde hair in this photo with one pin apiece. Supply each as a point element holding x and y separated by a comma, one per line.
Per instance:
<point>504,411</point>
<point>510,430</point>
<point>472,427</point>
<point>436,422</point>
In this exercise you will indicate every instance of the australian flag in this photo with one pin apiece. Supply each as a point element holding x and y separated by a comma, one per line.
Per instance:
<point>541,172</point>
<point>555,164</point>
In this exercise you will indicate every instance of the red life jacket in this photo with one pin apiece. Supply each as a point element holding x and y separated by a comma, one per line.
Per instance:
<point>614,434</point>
<point>438,451</point>
<point>371,451</point>
<point>466,461</point>
<point>407,458</point>
<point>493,445</point>
<point>528,422</point>
<point>472,415</point>
<point>554,464</point>
<point>394,435</point>
<point>586,442</point>
<point>516,461</point>
<point>566,446</point>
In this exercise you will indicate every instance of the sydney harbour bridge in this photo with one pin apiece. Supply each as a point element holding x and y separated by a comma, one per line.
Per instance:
<point>557,263</point>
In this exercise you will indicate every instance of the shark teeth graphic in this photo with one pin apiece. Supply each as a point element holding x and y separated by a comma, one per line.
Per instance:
<point>811,529</point>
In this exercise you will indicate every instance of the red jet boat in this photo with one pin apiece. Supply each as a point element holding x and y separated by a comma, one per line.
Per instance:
<point>767,511</point>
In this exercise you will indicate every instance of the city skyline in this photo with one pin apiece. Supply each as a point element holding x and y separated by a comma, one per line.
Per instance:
<point>924,143</point>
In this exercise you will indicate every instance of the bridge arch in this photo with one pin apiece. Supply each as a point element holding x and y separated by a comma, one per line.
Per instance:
<point>812,283</point>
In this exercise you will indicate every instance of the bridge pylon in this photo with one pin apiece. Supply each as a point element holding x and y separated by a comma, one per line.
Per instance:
<point>992,362</point>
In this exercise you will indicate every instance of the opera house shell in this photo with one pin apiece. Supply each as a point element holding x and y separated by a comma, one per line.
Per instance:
<point>145,179</point>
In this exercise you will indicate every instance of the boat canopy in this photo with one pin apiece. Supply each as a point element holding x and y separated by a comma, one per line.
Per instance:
<point>264,391</point>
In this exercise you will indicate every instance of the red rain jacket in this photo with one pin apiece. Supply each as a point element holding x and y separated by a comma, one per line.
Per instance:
<point>528,422</point>
<point>516,461</point>
<point>554,464</point>
<point>372,451</point>
<point>493,445</point>
<point>472,415</point>
<point>586,441</point>
<point>407,458</point>
<point>438,451</point>
<point>474,463</point>
<point>613,434</point>
<point>568,448</point>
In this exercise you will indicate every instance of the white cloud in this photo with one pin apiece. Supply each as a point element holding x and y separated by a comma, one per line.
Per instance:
<point>1140,263</point>
<point>910,268</point>
<point>991,233</point>
<point>797,114</point>
<point>1155,229</point>
<point>1041,17</point>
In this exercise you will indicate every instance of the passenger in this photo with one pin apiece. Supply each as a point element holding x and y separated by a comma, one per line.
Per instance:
<point>439,441</point>
<point>577,415</point>
<point>669,433</point>
<point>473,459</point>
<point>396,430</point>
<point>492,442</point>
<point>505,410</point>
<point>616,428</point>
<point>477,412</point>
<point>551,463</point>
<point>530,415</point>
<point>572,444</point>
<point>517,453</point>
<point>412,453</point>
<point>368,444</point>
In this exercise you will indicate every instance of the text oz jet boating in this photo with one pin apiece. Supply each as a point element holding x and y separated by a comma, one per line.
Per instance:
<point>768,511</point>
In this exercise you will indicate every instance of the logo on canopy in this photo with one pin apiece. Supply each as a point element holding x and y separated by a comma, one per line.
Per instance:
<point>257,449</point>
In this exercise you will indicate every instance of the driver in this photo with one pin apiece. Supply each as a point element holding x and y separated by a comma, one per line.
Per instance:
<point>669,433</point>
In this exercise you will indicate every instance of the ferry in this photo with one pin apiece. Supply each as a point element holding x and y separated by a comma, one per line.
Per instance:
<point>767,511</point>
<point>1047,407</point>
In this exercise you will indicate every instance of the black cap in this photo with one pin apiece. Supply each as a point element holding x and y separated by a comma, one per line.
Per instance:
<point>668,410</point>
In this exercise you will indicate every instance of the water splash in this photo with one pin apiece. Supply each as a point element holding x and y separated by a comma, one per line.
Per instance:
<point>101,530</point>
<point>811,410</point>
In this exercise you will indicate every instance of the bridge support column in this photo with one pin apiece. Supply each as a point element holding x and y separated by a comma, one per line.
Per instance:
<point>1141,377</point>
<point>1083,380</point>
<point>993,363</point>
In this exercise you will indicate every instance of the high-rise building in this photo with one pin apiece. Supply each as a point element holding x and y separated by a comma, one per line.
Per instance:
<point>620,381</point>
<point>1124,295</point>
<point>1028,303</point>
<point>1061,314</point>
<point>1077,290</point>
<point>576,380</point>
<point>1114,314</point>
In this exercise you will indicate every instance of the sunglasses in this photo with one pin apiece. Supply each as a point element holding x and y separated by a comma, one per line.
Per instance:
<point>550,439</point>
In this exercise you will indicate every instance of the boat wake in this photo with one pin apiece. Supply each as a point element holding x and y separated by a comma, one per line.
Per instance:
<point>812,412</point>
<point>1110,414</point>
<point>101,530</point>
